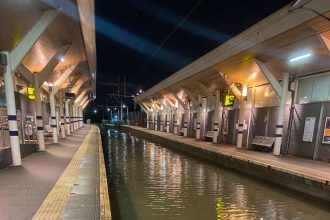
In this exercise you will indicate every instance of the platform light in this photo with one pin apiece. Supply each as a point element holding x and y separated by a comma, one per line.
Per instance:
<point>140,91</point>
<point>62,58</point>
<point>300,57</point>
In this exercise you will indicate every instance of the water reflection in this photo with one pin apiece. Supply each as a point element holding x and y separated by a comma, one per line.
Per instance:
<point>153,182</point>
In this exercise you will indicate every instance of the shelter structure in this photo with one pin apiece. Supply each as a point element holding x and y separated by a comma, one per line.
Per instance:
<point>272,80</point>
<point>48,71</point>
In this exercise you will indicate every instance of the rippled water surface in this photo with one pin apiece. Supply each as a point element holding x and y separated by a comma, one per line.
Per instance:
<point>152,182</point>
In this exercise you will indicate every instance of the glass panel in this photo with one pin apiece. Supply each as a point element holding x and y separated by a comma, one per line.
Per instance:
<point>321,88</point>
<point>305,90</point>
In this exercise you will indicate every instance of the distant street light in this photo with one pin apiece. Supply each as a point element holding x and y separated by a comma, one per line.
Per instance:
<point>95,111</point>
<point>108,109</point>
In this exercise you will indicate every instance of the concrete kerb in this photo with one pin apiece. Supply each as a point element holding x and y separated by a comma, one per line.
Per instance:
<point>305,184</point>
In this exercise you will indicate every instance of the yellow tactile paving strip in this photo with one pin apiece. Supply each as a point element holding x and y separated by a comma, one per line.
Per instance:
<point>54,204</point>
<point>105,212</point>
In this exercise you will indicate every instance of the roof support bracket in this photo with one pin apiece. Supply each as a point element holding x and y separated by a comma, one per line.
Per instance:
<point>19,52</point>
<point>269,76</point>
<point>206,91</point>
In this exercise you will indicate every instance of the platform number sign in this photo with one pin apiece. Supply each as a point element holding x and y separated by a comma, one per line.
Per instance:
<point>228,100</point>
<point>31,95</point>
<point>326,132</point>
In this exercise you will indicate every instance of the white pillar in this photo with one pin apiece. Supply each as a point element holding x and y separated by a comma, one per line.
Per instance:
<point>148,119</point>
<point>280,116</point>
<point>186,119</point>
<point>167,123</point>
<point>11,111</point>
<point>38,108</point>
<point>74,117</point>
<point>67,117</point>
<point>53,114</point>
<point>161,121</point>
<point>216,117</point>
<point>71,116</point>
<point>176,125</point>
<point>240,123</point>
<point>198,118</point>
<point>156,121</point>
<point>62,114</point>
<point>80,118</point>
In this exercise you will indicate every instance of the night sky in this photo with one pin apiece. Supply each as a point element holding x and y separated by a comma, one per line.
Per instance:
<point>149,40</point>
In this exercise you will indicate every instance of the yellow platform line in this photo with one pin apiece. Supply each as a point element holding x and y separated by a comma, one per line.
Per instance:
<point>56,201</point>
<point>105,212</point>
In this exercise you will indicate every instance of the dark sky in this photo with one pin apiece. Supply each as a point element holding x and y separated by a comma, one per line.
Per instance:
<point>143,40</point>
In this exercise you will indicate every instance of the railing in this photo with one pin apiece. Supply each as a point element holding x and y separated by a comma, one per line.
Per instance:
<point>4,132</point>
<point>28,132</point>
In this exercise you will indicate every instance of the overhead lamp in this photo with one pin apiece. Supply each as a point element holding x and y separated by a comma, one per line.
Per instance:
<point>108,109</point>
<point>124,106</point>
<point>253,75</point>
<point>140,91</point>
<point>300,57</point>
<point>62,58</point>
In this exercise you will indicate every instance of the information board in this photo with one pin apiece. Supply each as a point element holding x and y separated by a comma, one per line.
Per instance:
<point>326,132</point>
<point>309,129</point>
<point>228,100</point>
<point>31,93</point>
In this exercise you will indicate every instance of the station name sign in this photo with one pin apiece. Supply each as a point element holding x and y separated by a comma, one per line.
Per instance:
<point>228,100</point>
<point>70,95</point>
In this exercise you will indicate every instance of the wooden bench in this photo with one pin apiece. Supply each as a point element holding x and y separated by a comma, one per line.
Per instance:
<point>263,142</point>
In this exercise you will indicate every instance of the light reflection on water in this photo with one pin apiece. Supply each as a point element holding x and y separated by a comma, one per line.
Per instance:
<point>153,182</point>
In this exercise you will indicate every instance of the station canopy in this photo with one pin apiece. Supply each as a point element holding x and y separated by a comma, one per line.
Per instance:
<point>277,41</point>
<point>71,36</point>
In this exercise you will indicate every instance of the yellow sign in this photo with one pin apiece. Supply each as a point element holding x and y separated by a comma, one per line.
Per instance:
<point>228,100</point>
<point>31,93</point>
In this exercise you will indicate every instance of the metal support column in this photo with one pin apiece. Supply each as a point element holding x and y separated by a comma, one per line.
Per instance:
<point>67,117</point>
<point>11,109</point>
<point>240,132</point>
<point>40,122</point>
<point>62,114</point>
<point>53,114</point>
<point>71,116</point>
<point>186,119</point>
<point>216,117</point>
<point>280,116</point>
<point>198,118</point>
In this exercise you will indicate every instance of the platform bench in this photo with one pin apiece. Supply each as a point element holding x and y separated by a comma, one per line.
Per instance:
<point>209,134</point>
<point>263,142</point>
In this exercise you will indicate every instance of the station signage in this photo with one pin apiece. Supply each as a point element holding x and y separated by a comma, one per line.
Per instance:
<point>326,132</point>
<point>70,95</point>
<point>31,94</point>
<point>228,100</point>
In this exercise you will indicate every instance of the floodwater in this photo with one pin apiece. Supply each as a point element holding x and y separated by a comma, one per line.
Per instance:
<point>151,182</point>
